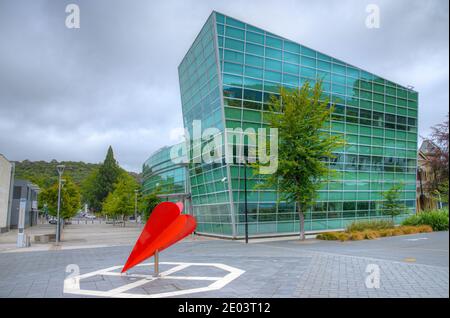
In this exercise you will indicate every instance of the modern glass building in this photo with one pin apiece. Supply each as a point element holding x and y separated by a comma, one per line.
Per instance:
<point>226,80</point>
<point>161,174</point>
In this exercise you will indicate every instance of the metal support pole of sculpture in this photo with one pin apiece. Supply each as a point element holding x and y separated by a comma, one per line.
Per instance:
<point>156,265</point>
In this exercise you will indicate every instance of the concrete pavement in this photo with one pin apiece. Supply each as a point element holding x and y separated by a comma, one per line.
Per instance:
<point>409,266</point>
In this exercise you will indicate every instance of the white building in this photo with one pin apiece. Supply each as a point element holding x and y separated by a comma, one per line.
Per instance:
<point>6,184</point>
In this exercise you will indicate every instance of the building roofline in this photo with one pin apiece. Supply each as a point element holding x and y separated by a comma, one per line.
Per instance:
<point>195,39</point>
<point>214,11</point>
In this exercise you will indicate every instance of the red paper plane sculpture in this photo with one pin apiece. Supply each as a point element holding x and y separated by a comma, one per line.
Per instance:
<point>165,226</point>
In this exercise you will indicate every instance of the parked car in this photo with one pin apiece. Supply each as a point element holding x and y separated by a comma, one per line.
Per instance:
<point>52,221</point>
<point>89,216</point>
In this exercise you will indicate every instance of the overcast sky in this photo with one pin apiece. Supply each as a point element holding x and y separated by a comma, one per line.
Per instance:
<point>67,94</point>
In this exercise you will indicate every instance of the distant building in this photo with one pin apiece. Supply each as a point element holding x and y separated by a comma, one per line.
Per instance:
<point>425,176</point>
<point>6,182</point>
<point>29,191</point>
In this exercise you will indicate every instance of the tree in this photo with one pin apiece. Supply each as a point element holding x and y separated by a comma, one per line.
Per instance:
<point>70,198</point>
<point>391,205</point>
<point>438,161</point>
<point>300,116</point>
<point>88,190</point>
<point>104,180</point>
<point>121,201</point>
<point>148,203</point>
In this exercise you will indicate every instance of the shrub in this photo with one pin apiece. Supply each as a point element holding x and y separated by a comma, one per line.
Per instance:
<point>437,219</point>
<point>371,234</point>
<point>386,232</point>
<point>333,236</point>
<point>343,236</point>
<point>409,229</point>
<point>425,229</point>
<point>327,236</point>
<point>369,225</point>
<point>357,236</point>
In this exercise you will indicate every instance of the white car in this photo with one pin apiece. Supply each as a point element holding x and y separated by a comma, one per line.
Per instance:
<point>88,216</point>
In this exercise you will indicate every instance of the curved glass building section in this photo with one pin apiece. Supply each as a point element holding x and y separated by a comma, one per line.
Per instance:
<point>160,174</point>
<point>226,80</point>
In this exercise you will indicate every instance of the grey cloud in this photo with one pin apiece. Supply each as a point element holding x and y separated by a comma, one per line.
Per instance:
<point>68,94</point>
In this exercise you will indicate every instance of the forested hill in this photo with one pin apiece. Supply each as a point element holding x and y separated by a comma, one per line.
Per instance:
<point>44,173</point>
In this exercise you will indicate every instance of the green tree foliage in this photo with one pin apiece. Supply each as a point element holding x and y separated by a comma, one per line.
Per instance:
<point>147,203</point>
<point>438,162</point>
<point>70,198</point>
<point>121,201</point>
<point>44,173</point>
<point>103,182</point>
<point>300,116</point>
<point>88,190</point>
<point>392,205</point>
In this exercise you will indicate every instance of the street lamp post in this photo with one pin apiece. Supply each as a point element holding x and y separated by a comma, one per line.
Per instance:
<point>60,169</point>
<point>245,201</point>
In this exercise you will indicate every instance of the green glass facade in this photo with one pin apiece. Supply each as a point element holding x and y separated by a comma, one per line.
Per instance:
<point>226,80</point>
<point>160,173</point>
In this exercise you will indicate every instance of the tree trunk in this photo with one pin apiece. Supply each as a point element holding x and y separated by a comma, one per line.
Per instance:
<point>302,222</point>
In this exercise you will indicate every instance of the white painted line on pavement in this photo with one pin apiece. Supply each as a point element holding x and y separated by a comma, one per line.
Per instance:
<point>417,239</point>
<point>72,283</point>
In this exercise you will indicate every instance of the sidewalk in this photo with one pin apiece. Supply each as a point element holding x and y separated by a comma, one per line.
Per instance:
<point>76,236</point>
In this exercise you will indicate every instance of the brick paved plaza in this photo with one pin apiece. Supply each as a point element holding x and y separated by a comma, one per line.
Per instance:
<point>409,266</point>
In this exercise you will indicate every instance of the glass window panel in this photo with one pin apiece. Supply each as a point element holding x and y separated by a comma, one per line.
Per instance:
<point>273,53</point>
<point>234,44</point>
<point>273,65</point>
<point>234,33</point>
<point>308,52</point>
<point>290,68</point>
<point>339,89</point>
<point>272,76</point>
<point>232,102</point>
<point>274,42</point>
<point>339,69</point>
<point>353,72</point>
<point>220,29</point>
<point>232,92</point>
<point>235,23</point>
<point>232,80</point>
<point>290,79</point>
<point>255,49</point>
<point>253,72</point>
<point>234,56</point>
<point>292,47</point>
<point>253,83</point>
<point>324,76</point>
<point>252,95</point>
<point>220,18</point>
<point>233,68</point>
<point>255,37</point>
<point>324,65</point>
<point>292,58</point>
<point>306,61</point>
<point>254,60</point>
<point>308,72</point>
